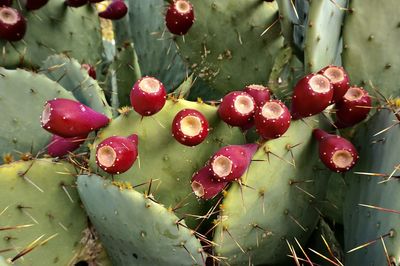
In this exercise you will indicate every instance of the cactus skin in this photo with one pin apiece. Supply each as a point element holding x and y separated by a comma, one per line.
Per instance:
<point>22,96</point>
<point>378,154</point>
<point>134,229</point>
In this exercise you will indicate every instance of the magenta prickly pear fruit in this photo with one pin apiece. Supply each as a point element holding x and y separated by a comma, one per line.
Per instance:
<point>34,4</point>
<point>339,79</point>
<point>189,127</point>
<point>231,162</point>
<point>90,70</point>
<point>115,155</point>
<point>179,17</point>
<point>60,146</point>
<point>337,153</point>
<point>260,94</point>
<point>12,24</point>
<point>148,96</point>
<point>114,11</point>
<point>204,186</point>
<point>6,2</point>
<point>353,108</point>
<point>272,119</point>
<point>237,108</point>
<point>68,118</point>
<point>311,95</point>
<point>76,3</point>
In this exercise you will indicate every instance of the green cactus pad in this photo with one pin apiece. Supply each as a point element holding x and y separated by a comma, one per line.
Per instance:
<point>378,154</point>
<point>22,97</point>
<point>70,74</point>
<point>3,262</point>
<point>40,198</point>
<point>371,35</point>
<point>224,46</point>
<point>134,229</point>
<point>278,202</point>
<point>56,28</point>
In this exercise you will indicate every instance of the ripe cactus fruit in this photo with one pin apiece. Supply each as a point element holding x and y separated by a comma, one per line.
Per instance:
<point>5,2</point>
<point>189,127</point>
<point>231,162</point>
<point>114,11</point>
<point>353,108</point>
<point>90,70</point>
<point>337,153</point>
<point>115,155</point>
<point>12,24</point>
<point>148,96</point>
<point>260,94</point>
<point>339,80</point>
<point>34,4</point>
<point>69,118</point>
<point>179,17</point>
<point>272,119</point>
<point>60,146</point>
<point>75,3</point>
<point>204,185</point>
<point>311,95</point>
<point>237,108</point>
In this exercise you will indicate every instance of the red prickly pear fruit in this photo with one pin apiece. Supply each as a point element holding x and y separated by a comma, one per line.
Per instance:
<point>337,153</point>
<point>12,24</point>
<point>68,118</point>
<point>260,94</point>
<point>231,162</point>
<point>189,127</point>
<point>311,95</point>
<point>148,96</point>
<point>248,125</point>
<point>339,80</point>
<point>114,11</point>
<point>34,4</point>
<point>95,1</point>
<point>115,155</point>
<point>179,17</point>
<point>237,108</point>
<point>90,70</point>
<point>272,119</point>
<point>60,146</point>
<point>76,3</point>
<point>204,186</point>
<point>353,108</point>
<point>6,2</point>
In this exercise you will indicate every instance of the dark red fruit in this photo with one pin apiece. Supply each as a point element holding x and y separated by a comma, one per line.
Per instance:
<point>34,4</point>
<point>337,153</point>
<point>353,108</point>
<point>189,127</point>
<point>60,146</point>
<point>95,1</point>
<point>272,120</point>
<point>311,95</point>
<point>76,3</point>
<point>12,24</point>
<point>116,10</point>
<point>260,94</point>
<point>339,80</point>
<point>237,108</point>
<point>90,70</point>
<point>179,17</point>
<point>6,2</point>
<point>148,96</point>
<point>115,155</point>
<point>231,162</point>
<point>68,118</point>
<point>204,186</point>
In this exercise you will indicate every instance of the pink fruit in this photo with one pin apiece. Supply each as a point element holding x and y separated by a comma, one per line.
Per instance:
<point>353,108</point>
<point>76,3</point>
<point>237,108</point>
<point>179,17</point>
<point>272,120</point>
<point>116,10</point>
<point>90,70</point>
<point>337,153</point>
<point>68,118</point>
<point>259,93</point>
<point>148,96</point>
<point>60,146</point>
<point>311,95</point>
<point>115,155</point>
<point>231,162</point>
<point>189,127</point>
<point>339,80</point>
<point>34,4</point>
<point>12,24</point>
<point>204,186</point>
<point>6,2</point>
